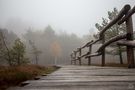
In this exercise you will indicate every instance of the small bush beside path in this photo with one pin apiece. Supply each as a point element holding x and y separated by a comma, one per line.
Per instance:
<point>12,76</point>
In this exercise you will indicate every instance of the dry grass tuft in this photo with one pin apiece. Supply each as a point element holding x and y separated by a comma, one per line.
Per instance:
<point>11,76</point>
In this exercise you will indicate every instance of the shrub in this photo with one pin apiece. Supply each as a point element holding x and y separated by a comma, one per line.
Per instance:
<point>10,76</point>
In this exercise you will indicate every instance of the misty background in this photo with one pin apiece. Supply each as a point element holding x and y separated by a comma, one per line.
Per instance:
<point>63,24</point>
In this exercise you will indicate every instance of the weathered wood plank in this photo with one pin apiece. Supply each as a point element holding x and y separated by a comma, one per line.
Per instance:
<point>114,39</point>
<point>129,14</point>
<point>126,43</point>
<point>84,78</point>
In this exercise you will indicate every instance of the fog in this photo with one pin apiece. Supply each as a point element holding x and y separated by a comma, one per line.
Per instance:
<point>72,16</point>
<point>54,27</point>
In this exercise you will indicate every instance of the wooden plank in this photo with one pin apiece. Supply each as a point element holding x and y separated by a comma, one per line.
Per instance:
<point>84,78</point>
<point>126,43</point>
<point>93,54</point>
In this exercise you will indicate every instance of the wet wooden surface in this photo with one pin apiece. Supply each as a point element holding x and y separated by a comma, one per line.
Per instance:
<point>84,78</point>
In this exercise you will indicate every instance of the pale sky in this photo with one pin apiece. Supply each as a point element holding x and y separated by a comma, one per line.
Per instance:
<point>72,16</point>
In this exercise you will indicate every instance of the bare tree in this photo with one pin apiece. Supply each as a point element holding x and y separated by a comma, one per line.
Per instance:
<point>35,51</point>
<point>56,51</point>
<point>6,51</point>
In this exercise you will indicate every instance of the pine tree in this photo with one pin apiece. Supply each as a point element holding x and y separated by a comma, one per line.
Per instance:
<point>111,32</point>
<point>18,53</point>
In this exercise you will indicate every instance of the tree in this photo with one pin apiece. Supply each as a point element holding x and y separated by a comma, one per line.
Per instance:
<point>18,53</point>
<point>4,50</point>
<point>12,53</point>
<point>49,31</point>
<point>35,51</point>
<point>113,31</point>
<point>56,50</point>
<point>45,39</point>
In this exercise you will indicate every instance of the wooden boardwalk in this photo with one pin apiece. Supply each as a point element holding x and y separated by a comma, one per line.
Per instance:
<point>84,78</point>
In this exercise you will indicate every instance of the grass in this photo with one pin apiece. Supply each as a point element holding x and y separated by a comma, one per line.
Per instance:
<point>12,76</point>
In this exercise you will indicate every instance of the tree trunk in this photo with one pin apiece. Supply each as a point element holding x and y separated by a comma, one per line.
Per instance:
<point>36,59</point>
<point>8,51</point>
<point>55,61</point>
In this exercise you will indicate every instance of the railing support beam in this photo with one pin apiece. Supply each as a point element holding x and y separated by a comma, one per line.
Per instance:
<point>103,51</point>
<point>130,51</point>
<point>89,58</point>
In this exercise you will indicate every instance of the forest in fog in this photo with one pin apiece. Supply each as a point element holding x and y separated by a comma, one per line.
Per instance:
<point>46,32</point>
<point>51,45</point>
<point>43,47</point>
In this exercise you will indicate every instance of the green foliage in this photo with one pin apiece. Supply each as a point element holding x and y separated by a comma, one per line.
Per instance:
<point>18,53</point>
<point>13,55</point>
<point>113,31</point>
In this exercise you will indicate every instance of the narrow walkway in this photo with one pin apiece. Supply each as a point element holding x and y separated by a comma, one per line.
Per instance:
<point>84,78</point>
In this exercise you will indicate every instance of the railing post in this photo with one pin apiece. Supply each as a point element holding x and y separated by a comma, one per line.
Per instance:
<point>71,58</point>
<point>75,57</point>
<point>89,58</point>
<point>120,54</point>
<point>103,51</point>
<point>80,53</point>
<point>130,51</point>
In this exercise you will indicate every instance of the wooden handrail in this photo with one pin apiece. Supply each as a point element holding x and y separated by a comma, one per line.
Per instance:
<point>87,44</point>
<point>126,43</point>
<point>94,54</point>
<point>85,55</point>
<point>123,11</point>
<point>114,39</point>
<point>93,42</point>
<point>130,13</point>
<point>124,15</point>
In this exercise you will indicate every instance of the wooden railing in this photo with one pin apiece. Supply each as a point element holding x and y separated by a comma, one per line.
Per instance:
<point>125,15</point>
